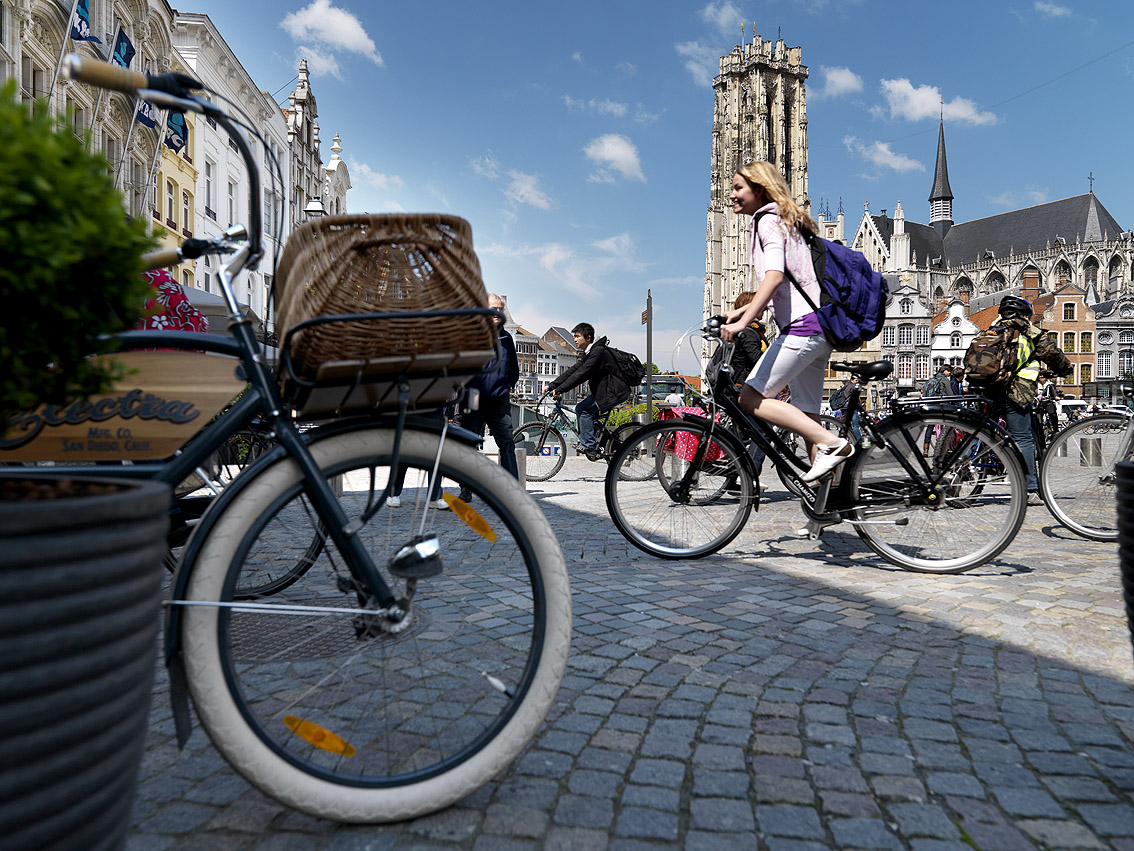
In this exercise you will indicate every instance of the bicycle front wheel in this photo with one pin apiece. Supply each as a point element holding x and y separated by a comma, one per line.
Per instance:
<point>545,449</point>
<point>336,711</point>
<point>671,505</point>
<point>1077,476</point>
<point>963,515</point>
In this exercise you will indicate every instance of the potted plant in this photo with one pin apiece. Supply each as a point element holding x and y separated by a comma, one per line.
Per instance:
<point>80,560</point>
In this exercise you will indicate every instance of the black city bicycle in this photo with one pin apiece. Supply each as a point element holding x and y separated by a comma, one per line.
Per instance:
<point>914,512</point>
<point>419,651</point>
<point>546,447</point>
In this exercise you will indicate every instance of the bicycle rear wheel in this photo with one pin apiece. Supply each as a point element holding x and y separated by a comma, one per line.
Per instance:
<point>318,707</point>
<point>1077,476</point>
<point>967,519</point>
<point>669,508</point>
<point>629,469</point>
<point>545,448</point>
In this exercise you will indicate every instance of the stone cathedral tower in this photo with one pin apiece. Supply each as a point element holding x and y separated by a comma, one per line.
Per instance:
<point>759,113</point>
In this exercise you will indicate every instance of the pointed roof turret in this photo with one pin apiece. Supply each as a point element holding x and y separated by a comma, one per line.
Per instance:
<point>941,190</point>
<point>941,196</point>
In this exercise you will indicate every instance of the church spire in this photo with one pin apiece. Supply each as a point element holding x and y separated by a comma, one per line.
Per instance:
<point>941,196</point>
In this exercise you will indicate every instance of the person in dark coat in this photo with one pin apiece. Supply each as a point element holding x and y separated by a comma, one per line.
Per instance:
<point>494,408</point>
<point>597,368</point>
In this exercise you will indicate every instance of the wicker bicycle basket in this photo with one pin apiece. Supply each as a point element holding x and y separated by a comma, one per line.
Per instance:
<point>387,264</point>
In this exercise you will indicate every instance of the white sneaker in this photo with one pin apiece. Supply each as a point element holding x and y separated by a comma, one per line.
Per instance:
<point>828,458</point>
<point>393,501</point>
<point>440,504</point>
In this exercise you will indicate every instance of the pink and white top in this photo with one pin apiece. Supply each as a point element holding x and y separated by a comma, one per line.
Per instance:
<point>772,244</point>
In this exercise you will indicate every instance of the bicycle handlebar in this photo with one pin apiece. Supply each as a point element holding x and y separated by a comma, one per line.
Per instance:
<point>106,75</point>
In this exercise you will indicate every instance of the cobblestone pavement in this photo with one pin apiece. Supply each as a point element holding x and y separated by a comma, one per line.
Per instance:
<point>781,694</point>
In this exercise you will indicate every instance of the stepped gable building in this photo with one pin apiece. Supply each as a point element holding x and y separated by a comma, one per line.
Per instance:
<point>1058,254</point>
<point>759,113</point>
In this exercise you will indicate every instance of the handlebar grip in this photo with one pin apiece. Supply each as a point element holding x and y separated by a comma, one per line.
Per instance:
<point>103,74</point>
<point>161,259</point>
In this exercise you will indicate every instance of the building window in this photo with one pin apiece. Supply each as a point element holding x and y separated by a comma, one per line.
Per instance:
<point>1085,342</point>
<point>186,210</point>
<point>1125,363</point>
<point>1125,338</point>
<point>170,202</point>
<point>1104,364</point>
<point>1084,373</point>
<point>906,306</point>
<point>905,335</point>
<point>888,335</point>
<point>923,335</point>
<point>231,202</point>
<point>922,367</point>
<point>955,340</point>
<point>1068,341</point>
<point>210,198</point>
<point>905,366</point>
<point>1068,312</point>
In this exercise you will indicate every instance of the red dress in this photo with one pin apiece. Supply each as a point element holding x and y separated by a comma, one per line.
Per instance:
<point>170,309</point>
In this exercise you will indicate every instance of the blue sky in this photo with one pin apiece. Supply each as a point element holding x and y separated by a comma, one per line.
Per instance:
<point>575,136</point>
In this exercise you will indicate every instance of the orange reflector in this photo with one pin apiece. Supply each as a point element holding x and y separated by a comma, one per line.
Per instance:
<point>320,737</point>
<point>470,516</point>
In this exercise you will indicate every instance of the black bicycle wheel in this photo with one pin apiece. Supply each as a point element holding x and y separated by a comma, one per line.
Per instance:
<point>545,449</point>
<point>348,715</point>
<point>675,511</point>
<point>629,469</point>
<point>796,445</point>
<point>1077,476</point>
<point>967,518</point>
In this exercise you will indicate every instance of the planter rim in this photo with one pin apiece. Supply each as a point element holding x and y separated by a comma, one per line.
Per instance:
<point>143,496</point>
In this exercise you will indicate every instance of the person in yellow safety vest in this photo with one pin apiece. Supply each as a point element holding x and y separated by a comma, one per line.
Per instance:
<point>1015,401</point>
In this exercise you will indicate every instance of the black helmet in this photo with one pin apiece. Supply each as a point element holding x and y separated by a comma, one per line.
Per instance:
<point>1013,305</point>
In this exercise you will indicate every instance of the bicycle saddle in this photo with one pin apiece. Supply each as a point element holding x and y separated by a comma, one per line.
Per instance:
<point>872,371</point>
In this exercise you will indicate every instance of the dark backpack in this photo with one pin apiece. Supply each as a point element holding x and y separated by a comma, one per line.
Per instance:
<point>627,366</point>
<point>852,302</point>
<point>838,400</point>
<point>992,359</point>
<point>939,385</point>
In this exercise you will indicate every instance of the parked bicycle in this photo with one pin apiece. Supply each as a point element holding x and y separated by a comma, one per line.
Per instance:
<point>546,447</point>
<point>913,512</point>
<point>418,653</point>
<point>1077,476</point>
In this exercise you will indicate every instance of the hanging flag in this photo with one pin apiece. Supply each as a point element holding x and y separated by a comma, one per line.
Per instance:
<point>123,49</point>
<point>176,133</point>
<point>81,23</point>
<point>147,113</point>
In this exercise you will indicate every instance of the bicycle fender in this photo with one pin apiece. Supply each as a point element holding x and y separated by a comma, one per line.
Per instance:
<point>432,425</point>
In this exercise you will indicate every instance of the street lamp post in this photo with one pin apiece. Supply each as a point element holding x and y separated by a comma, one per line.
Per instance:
<point>315,208</point>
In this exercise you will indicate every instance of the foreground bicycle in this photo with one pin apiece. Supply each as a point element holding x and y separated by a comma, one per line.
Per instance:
<point>420,650</point>
<point>546,447</point>
<point>1077,476</point>
<point>915,513</point>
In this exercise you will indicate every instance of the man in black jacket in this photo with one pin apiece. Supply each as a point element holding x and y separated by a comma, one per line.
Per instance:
<point>607,390</point>
<point>494,408</point>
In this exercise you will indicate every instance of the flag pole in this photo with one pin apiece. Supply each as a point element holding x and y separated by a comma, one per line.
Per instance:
<point>649,356</point>
<point>102,91</point>
<point>63,48</point>
<point>153,166</point>
<point>126,147</point>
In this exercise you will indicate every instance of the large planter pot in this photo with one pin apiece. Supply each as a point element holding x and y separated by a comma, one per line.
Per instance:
<point>80,603</point>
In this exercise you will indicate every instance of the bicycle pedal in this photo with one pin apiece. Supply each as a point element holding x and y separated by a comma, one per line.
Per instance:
<point>420,558</point>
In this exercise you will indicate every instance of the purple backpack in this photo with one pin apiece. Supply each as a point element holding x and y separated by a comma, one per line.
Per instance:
<point>852,303</point>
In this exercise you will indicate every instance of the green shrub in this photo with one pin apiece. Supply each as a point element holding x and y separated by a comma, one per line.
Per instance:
<point>620,416</point>
<point>70,261</point>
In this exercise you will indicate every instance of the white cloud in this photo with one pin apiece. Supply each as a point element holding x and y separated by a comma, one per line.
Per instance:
<point>879,154</point>
<point>524,189</point>
<point>613,151</point>
<point>838,82</point>
<point>606,106</point>
<point>1018,198</point>
<point>320,62</point>
<point>724,16</point>
<point>486,166</point>
<point>701,60</point>
<point>1051,10</point>
<point>915,104</point>
<point>586,272</point>
<point>577,56</point>
<point>361,171</point>
<point>327,31</point>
